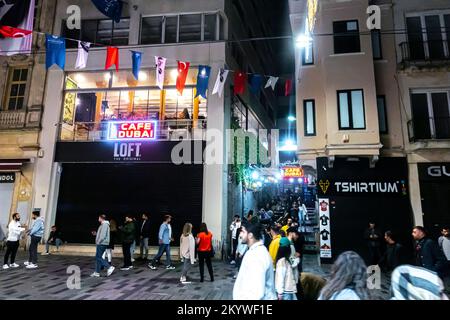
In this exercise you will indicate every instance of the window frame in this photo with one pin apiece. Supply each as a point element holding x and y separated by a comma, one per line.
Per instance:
<point>382,96</point>
<point>350,110</point>
<point>377,31</point>
<point>304,63</point>
<point>8,86</point>
<point>335,36</point>
<point>305,118</point>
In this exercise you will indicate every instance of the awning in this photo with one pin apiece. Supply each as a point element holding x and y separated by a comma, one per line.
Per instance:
<point>12,165</point>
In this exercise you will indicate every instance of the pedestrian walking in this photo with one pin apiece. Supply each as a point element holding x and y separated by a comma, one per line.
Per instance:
<point>428,254</point>
<point>275,243</point>
<point>348,279</point>
<point>144,235</point>
<point>164,238</point>
<point>187,251</point>
<point>285,282</point>
<point>36,233</point>
<point>205,251</point>
<point>108,254</point>
<point>128,237</point>
<point>373,238</point>
<point>136,240</point>
<point>444,244</point>
<point>255,280</point>
<point>235,225</point>
<point>394,255</point>
<point>12,242</point>
<point>102,237</point>
<point>54,239</point>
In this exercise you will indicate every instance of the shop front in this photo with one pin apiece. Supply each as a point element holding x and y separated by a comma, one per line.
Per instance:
<point>351,194</point>
<point>434,180</point>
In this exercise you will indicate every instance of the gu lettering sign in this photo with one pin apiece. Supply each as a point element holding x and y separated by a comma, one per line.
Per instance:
<point>131,130</point>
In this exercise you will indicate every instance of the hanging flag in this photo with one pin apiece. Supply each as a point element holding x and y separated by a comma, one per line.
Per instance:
<point>56,51</point>
<point>183,69</point>
<point>255,83</point>
<point>19,15</point>
<point>220,82</point>
<point>112,58</point>
<point>136,56</point>
<point>202,80</point>
<point>83,53</point>
<point>239,82</point>
<point>288,87</point>
<point>11,32</point>
<point>110,8</point>
<point>271,82</point>
<point>160,69</point>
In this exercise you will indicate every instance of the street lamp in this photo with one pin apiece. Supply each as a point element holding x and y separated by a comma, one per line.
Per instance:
<point>291,118</point>
<point>303,41</point>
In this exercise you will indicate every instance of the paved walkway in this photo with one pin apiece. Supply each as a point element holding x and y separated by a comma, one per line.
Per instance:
<point>141,283</point>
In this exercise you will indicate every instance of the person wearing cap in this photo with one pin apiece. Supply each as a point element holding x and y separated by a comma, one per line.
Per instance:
<point>285,282</point>
<point>275,243</point>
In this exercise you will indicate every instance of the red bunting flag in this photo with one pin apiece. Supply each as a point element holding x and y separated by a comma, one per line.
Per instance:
<point>11,32</point>
<point>240,79</point>
<point>112,58</point>
<point>288,87</point>
<point>183,68</point>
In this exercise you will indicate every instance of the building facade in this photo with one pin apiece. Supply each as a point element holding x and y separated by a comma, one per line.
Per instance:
<point>82,173</point>
<point>372,110</point>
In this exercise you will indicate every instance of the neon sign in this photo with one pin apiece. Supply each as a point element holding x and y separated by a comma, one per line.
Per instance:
<point>292,172</point>
<point>131,130</point>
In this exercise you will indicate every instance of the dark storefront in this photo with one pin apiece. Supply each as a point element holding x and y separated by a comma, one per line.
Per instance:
<point>95,180</point>
<point>351,194</point>
<point>435,193</point>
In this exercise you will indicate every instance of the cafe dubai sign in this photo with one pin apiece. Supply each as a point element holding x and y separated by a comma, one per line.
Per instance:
<point>292,172</point>
<point>131,130</point>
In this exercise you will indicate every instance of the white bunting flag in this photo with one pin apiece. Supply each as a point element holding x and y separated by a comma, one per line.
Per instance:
<point>83,53</point>
<point>160,69</point>
<point>272,82</point>
<point>220,82</point>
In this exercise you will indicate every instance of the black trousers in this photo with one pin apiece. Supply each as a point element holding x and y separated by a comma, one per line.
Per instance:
<point>205,256</point>
<point>11,250</point>
<point>374,255</point>
<point>33,249</point>
<point>235,243</point>
<point>126,254</point>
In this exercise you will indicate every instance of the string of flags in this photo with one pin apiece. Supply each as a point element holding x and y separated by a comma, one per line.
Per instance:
<point>56,55</point>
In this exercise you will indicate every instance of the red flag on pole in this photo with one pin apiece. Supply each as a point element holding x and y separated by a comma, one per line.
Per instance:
<point>112,58</point>
<point>240,78</point>
<point>183,68</point>
<point>11,32</point>
<point>288,87</point>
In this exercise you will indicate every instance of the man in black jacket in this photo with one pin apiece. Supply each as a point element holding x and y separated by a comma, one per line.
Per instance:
<point>394,255</point>
<point>373,238</point>
<point>144,234</point>
<point>428,254</point>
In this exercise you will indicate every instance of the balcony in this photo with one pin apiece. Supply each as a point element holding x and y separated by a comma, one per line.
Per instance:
<point>165,130</point>
<point>425,54</point>
<point>21,119</point>
<point>437,128</point>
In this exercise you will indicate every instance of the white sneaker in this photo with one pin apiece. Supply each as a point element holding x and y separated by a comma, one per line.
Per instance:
<point>5,266</point>
<point>183,279</point>
<point>27,263</point>
<point>45,253</point>
<point>132,260</point>
<point>32,266</point>
<point>95,275</point>
<point>110,271</point>
<point>14,265</point>
<point>233,262</point>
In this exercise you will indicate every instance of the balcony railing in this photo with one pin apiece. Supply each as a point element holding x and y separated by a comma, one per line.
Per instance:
<point>437,128</point>
<point>165,130</point>
<point>425,53</point>
<point>21,119</point>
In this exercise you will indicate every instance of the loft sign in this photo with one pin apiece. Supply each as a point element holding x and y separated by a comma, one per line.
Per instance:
<point>127,151</point>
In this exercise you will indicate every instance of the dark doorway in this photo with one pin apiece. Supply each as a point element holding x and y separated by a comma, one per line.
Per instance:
<point>87,190</point>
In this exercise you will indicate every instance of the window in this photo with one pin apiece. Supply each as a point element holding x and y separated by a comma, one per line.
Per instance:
<point>105,32</point>
<point>151,30</point>
<point>426,34</point>
<point>17,84</point>
<point>210,27</point>
<point>431,114</point>
<point>171,29</point>
<point>309,115</point>
<point>382,115</point>
<point>346,36</point>
<point>308,55</point>
<point>190,28</point>
<point>376,44</point>
<point>351,110</point>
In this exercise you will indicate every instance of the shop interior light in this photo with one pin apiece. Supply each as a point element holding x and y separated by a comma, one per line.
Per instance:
<point>255,175</point>
<point>107,76</point>
<point>79,77</point>
<point>289,145</point>
<point>259,184</point>
<point>174,74</point>
<point>300,180</point>
<point>291,180</point>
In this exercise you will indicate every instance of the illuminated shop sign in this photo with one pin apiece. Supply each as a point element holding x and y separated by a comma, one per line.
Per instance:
<point>131,130</point>
<point>292,172</point>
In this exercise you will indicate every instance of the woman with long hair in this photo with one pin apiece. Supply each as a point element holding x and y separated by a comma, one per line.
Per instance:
<point>187,250</point>
<point>205,251</point>
<point>348,279</point>
<point>285,284</point>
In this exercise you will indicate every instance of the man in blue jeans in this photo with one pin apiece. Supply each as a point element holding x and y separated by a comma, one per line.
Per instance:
<point>102,242</point>
<point>165,237</point>
<point>36,233</point>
